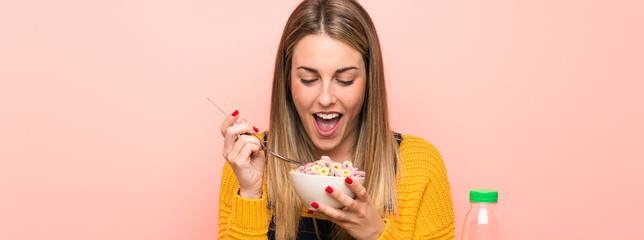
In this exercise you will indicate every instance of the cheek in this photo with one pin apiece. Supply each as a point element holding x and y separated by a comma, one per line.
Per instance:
<point>296,93</point>
<point>299,97</point>
<point>356,105</point>
<point>356,99</point>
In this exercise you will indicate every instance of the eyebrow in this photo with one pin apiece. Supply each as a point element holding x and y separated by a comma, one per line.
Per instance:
<point>341,70</point>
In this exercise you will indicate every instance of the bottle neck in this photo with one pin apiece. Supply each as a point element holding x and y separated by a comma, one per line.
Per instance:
<point>484,203</point>
<point>489,205</point>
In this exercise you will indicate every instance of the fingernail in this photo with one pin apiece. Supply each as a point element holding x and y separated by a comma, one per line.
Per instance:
<point>256,130</point>
<point>309,212</point>
<point>348,180</point>
<point>235,113</point>
<point>329,189</point>
<point>315,205</point>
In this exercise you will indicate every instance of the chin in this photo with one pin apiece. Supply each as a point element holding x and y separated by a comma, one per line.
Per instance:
<point>325,145</point>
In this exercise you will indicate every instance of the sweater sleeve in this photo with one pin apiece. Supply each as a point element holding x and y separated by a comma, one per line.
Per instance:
<point>424,198</point>
<point>240,218</point>
<point>435,218</point>
<point>391,231</point>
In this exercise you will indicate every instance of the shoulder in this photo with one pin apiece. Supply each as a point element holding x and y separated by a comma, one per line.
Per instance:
<point>420,158</point>
<point>413,145</point>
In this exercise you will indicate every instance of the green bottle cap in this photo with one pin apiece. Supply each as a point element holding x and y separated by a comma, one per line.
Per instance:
<point>484,195</point>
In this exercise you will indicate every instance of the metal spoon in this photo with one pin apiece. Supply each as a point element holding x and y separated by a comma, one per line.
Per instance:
<point>277,155</point>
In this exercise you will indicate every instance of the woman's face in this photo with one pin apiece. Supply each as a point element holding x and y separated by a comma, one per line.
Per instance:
<point>328,80</point>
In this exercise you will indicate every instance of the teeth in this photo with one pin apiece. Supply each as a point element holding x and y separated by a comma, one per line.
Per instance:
<point>327,116</point>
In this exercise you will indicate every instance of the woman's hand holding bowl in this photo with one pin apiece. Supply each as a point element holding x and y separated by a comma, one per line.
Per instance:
<point>360,218</point>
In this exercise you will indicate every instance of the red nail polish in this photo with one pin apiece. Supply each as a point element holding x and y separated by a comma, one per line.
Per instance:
<point>256,130</point>
<point>315,205</point>
<point>235,113</point>
<point>329,189</point>
<point>309,212</point>
<point>348,180</point>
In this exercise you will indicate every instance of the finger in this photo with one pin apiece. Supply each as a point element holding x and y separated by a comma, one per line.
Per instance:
<point>246,151</point>
<point>332,214</point>
<point>241,158</point>
<point>358,189</point>
<point>322,216</point>
<point>342,198</point>
<point>232,133</point>
<point>229,121</point>
<point>243,168</point>
<point>237,129</point>
<point>242,149</point>
<point>261,163</point>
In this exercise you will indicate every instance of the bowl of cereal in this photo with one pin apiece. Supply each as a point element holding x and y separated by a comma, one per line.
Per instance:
<point>310,180</point>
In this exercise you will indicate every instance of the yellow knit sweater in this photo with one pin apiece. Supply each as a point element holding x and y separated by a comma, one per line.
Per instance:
<point>424,200</point>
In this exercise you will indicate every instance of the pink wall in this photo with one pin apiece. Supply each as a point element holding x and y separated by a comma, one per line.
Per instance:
<point>105,132</point>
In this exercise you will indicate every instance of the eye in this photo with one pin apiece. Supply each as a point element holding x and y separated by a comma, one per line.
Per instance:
<point>307,81</point>
<point>345,83</point>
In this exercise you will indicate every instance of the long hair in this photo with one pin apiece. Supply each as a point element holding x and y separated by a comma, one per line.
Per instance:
<point>375,148</point>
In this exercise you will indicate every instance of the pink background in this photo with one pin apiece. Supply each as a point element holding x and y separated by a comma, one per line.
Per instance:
<point>105,132</point>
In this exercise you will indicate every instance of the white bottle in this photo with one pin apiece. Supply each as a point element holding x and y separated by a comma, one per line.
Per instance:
<point>481,222</point>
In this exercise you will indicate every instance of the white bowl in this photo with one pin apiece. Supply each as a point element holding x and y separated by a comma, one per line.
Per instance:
<point>310,188</point>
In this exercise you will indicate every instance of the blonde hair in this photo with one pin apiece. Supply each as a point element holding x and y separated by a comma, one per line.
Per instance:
<point>375,149</point>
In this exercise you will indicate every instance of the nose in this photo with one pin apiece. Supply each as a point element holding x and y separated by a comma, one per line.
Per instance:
<point>327,94</point>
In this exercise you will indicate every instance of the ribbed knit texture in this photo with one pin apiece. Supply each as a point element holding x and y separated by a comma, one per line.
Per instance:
<point>424,200</point>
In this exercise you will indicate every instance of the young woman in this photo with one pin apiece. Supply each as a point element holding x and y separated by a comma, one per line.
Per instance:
<point>329,99</point>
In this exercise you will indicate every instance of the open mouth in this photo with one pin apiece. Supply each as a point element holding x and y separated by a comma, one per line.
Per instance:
<point>327,123</point>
